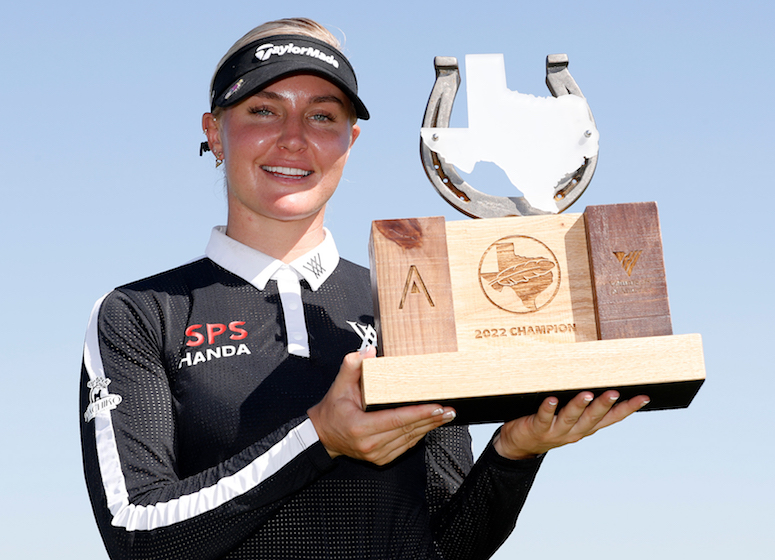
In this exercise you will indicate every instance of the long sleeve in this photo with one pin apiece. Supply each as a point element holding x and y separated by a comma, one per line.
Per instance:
<point>474,506</point>
<point>144,507</point>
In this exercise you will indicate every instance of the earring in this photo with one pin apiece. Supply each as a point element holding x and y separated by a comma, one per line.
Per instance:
<point>218,160</point>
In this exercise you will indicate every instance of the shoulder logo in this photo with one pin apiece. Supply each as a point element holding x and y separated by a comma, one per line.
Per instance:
<point>366,332</point>
<point>525,266</point>
<point>99,398</point>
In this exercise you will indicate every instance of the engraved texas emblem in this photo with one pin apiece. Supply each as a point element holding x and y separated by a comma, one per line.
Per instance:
<point>628,260</point>
<point>524,265</point>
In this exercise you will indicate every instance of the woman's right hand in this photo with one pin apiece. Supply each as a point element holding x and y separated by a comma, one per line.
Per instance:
<point>378,437</point>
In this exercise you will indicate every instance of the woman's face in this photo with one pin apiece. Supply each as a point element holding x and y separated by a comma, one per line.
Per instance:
<point>284,148</point>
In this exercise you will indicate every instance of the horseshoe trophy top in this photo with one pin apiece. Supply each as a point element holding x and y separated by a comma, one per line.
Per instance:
<point>562,145</point>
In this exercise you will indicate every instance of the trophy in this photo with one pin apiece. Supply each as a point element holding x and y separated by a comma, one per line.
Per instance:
<point>492,315</point>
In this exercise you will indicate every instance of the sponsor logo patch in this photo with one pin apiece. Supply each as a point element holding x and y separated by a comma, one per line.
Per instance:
<point>204,338</point>
<point>267,50</point>
<point>234,89</point>
<point>99,398</point>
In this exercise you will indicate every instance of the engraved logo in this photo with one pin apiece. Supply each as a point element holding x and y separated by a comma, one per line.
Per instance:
<point>415,285</point>
<point>628,260</point>
<point>519,274</point>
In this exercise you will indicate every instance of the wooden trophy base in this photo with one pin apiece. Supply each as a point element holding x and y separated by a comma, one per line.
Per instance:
<point>492,316</point>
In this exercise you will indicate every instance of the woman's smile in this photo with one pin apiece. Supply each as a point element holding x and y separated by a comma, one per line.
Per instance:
<point>286,171</point>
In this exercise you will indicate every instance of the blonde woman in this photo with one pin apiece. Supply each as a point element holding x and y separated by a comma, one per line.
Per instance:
<point>220,399</point>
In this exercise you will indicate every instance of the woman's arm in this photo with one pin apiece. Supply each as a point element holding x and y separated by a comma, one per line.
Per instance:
<point>143,508</point>
<point>474,507</point>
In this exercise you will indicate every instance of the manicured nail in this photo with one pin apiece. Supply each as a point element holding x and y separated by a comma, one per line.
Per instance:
<point>438,411</point>
<point>588,398</point>
<point>644,404</point>
<point>450,415</point>
<point>365,350</point>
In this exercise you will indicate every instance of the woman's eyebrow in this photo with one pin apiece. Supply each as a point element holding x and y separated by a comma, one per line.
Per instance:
<point>327,99</point>
<point>268,95</point>
<point>316,99</point>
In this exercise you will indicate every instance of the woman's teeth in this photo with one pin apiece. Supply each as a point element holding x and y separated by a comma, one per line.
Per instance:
<point>289,171</point>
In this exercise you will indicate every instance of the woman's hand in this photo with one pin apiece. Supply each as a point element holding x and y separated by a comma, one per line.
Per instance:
<point>532,435</point>
<point>378,437</point>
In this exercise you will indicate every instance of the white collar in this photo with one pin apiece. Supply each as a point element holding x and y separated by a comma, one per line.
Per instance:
<point>315,266</point>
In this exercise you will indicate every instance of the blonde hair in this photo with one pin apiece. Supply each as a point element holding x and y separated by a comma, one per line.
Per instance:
<point>285,26</point>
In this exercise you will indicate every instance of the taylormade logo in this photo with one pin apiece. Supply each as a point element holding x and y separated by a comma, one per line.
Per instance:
<point>265,51</point>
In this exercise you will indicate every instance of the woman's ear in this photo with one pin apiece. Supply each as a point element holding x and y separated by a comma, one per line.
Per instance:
<point>213,133</point>
<point>355,133</point>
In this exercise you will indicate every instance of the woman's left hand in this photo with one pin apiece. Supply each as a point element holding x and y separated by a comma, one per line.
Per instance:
<point>538,433</point>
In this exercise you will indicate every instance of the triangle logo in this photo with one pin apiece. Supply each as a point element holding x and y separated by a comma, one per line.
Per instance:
<point>627,260</point>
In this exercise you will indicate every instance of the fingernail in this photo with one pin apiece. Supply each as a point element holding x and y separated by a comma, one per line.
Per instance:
<point>450,415</point>
<point>588,398</point>
<point>365,349</point>
<point>438,411</point>
<point>553,402</point>
<point>645,403</point>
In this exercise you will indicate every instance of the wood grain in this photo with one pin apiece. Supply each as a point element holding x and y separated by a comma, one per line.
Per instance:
<point>490,299</point>
<point>628,270</point>
<point>412,287</point>
<point>504,384</point>
<point>489,315</point>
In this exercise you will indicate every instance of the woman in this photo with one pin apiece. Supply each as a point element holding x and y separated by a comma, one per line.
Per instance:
<point>222,414</point>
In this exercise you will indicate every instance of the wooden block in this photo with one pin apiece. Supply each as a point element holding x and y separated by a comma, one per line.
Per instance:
<point>517,287</point>
<point>413,307</point>
<point>520,281</point>
<point>503,384</point>
<point>628,270</point>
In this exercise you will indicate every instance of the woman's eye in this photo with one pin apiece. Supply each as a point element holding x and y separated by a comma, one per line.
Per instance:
<point>322,117</point>
<point>263,111</point>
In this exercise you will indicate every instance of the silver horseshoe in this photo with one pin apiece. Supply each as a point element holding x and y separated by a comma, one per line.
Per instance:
<point>457,191</point>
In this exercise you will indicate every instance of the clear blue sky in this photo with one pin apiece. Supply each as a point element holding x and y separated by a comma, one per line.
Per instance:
<point>102,184</point>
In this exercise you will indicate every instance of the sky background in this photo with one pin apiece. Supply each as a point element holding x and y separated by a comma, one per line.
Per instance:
<point>101,184</point>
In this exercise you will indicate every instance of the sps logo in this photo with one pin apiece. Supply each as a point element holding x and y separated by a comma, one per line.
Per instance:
<point>198,334</point>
